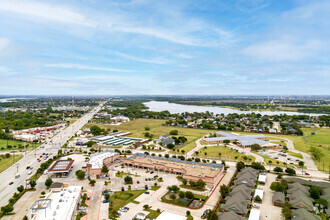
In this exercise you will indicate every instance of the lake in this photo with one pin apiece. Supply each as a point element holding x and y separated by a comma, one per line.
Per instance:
<point>174,108</point>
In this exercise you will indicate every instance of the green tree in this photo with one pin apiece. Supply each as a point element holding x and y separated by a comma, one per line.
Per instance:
<point>33,183</point>
<point>200,184</point>
<point>96,130</point>
<point>226,141</point>
<point>106,197</point>
<point>189,195</point>
<point>286,211</point>
<point>48,182</point>
<point>20,188</point>
<point>257,199</point>
<point>184,181</point>
<point>128,179</point>
<point>170,146</point>
<point>80,174</point>
<point>92,182</point>
<point>290,171</point>
<point>146,207</point>
<point>174,132</point>
<point>240,165</point>
<point>278,170</point>
<point>277,187</point>
<point>315,192</point>
<point>90,143</point>
<point>301,164</point>
<point>255,147</point>
<point>173,196</point>
<point>181,195</point>
<point>224,190</point>
<point>105,169</point>
<point>147,128</point>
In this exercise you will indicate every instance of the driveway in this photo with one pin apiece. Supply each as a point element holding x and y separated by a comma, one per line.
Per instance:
<point>267,209</point>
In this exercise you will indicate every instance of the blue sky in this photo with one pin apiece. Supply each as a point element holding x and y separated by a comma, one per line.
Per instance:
<point>141,47</point>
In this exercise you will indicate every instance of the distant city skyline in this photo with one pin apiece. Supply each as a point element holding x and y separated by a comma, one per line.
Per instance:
<point>141,47</point>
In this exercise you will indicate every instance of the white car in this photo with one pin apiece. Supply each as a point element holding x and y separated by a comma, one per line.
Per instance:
<point>30,172</point>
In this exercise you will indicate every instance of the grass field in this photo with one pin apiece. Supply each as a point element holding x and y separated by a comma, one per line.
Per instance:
<point>3,144</point>
<point>7,162</point>
<point>226,153</point>
<point>152,214</point>
<point>294,154</point>
<point>120,199</point>
<point>136,127</point>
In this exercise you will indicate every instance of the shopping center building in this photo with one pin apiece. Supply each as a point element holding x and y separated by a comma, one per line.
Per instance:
<point>97,160</point>
<point>210,173</point>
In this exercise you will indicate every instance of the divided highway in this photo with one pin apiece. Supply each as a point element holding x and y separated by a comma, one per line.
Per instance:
<point>30,159</point>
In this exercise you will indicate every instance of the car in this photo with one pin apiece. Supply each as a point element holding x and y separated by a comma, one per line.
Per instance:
<point>275,157</point>
<point>151,172</point>
<point>291,163</point>
<point>137,182</point>
<point>11,183</point>
<point>146,192</point>
<point>256,206</point>
<point>40,156</point>
<point>297,160</point>
<point>17,176</point>
<point>307,174</point>
<point>146,179</point>
<point>136,188</point>
<point>30,172</point>
<point>28,167</point>
<point>289,158</point>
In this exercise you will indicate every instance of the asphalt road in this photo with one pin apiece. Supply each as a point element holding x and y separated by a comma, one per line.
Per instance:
<point>30,159</point>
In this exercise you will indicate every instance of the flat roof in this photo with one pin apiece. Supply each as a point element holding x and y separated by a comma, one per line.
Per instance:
<point>254,214</point>
<point>190,168</point>
<point>97,159</point>
<point>262,178</point>
<point>259,192</point>
<point>61,166</point>
<point>171,216</point>
<point>61,207</point>
<point>243,139</point>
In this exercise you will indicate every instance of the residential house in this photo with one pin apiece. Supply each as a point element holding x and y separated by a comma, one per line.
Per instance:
<point>278,199</point>
<point>231,215</point>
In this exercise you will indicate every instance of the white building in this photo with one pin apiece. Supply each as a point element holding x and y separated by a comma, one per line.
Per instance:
<point>171,216</point>
<point>259,192</point>
<point>57,205</point>
<point>254,214</point>
<point>262,178</point>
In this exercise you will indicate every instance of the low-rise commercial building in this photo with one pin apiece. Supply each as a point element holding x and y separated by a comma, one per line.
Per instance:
<point>61,168</point>
<point>210,173</point>
<point>57,205</point>
<point>97,160</point>
<point>242,140</point>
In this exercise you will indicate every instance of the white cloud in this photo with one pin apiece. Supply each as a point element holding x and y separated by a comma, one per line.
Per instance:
<point>281,50</point>
<point>144,60</point>
<point>45,11</point>
<point>85,67</point>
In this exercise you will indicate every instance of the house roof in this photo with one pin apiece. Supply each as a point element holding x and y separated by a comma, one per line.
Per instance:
<point>303,214</point>
<point>279,197</point>
<point>241,188</point>
<point>167,141</point>
<point>239,194</point>
<point>231,215</point>
<point>301,200</point>
<point>236,204</point>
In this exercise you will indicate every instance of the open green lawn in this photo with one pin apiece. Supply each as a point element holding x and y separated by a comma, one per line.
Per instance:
<point>3,144</point>
<point>136,127</point>
<point>120,199</point>
<point>7,162</point>
<point>226,153</point>
<point>294,154</point>
<point>152,214</point>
